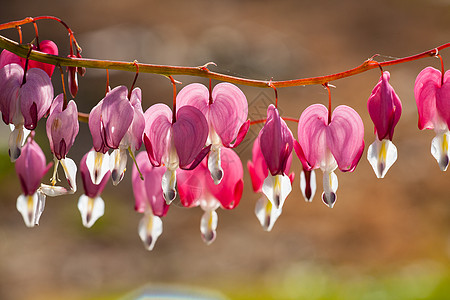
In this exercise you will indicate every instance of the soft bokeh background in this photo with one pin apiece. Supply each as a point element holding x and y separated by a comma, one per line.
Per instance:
<point>384,239</point>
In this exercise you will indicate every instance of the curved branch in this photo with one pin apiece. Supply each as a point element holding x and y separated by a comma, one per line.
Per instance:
<point>202,71</point>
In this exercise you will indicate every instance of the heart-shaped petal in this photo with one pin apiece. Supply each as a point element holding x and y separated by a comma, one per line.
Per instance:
<point>158,131</point>
<point>425,87</point>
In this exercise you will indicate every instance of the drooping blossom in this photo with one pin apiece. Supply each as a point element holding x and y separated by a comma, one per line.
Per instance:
<point>46,46</point>
<point>72,76</point>
<point>149,199</point>
<point>174,143</point>
<point>276,142</point>
<point>91,205</point>
<point>432,93</point>
<point>117,123</point>
<point>265,211</point>
<point>23,101</point>
<point>225,110</point>
<point>385,109</point>
<point>62,129</point>
<point>197,188</point>
<point>338,144</point>
<point>31,168</point>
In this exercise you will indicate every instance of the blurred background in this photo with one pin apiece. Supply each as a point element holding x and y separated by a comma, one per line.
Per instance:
<point>384,239</point>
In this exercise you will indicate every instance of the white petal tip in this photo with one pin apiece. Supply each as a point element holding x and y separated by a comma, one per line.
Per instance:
<point>90,209</point>
<point>329,199</point>
<point>149,229</point>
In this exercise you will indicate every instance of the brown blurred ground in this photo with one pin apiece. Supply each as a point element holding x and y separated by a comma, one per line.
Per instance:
<point>376,225</point>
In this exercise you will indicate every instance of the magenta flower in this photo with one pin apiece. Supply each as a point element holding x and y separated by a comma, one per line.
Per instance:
<point>62,129</point>
<point>31,168</point>
<point>116,122</point>
<point>91,205</point>
<point>175,144</point>
<point>149,199</point>
<point>266,213</point>
<point>276,142</point>
<point>385,109</point>
<point>197,188</point>
<point>338,144</point>
<point>225,110</point>
<point>432,93</point>
<point>46,46</point>
<point>23,101</point>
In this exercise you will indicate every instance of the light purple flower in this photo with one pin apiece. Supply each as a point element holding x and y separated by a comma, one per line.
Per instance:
<point>31,168</point>
<point>225,110</point>
<point>23,104</point>
<point>91,205</point>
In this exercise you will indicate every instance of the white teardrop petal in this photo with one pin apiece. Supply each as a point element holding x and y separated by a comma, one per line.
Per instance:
<point>304,185</point>
<point>381,156</point>
<point>118,164</point>
<point>208,226</point>
<point>440,149</point>
<point>149,229</point>
<point>90,209</point>
<point>98,165</point>
<point>215,165</point>
<point>70,170</point>
<point>54,190</point>
<point>16,141</point>
<point>31,208</point>
<point>266,213</point>
<point>330,186</point>
<point>277,188</point>
<point>168,183</point>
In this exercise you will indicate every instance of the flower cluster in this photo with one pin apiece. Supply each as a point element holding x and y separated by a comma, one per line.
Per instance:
<point>189,148</point>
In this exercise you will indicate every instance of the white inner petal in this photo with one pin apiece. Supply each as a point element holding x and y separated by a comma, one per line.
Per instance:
<point>17,140</point>
<point>277,188</point>
<point>215,164</point>
<point>31,208</point>
<point>440,149</point>
<point>98,165</point>
<point>90,209</point>
<point>149,229</point>
<point>312,185</point>
<point>118,164</point>
<point>70,170</point>
<point>266,213</point>
<point>381,155</point>
<point>168,184</point>
<point>330,186</point>
<point>208,226</point>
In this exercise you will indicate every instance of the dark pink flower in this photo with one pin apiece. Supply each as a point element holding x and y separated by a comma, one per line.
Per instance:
<point>338,144</point>
<point>197,188</point>
<point>385,109</point>
<point>149,198</point>
<point>266,213</point>
<point>432,93</point>
<point>177,144</point>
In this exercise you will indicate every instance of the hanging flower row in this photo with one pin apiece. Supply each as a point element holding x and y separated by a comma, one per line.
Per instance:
<point>189,147</point>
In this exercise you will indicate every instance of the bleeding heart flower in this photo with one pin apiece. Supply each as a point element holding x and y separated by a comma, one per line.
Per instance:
<point>432,93</point>
<point>266,213</point>
<point>62,129</point>
<point>149,199</point>
<point>197,188</point>
<point>31,168</point>
<point>338,144</point>
<point>91,205</point>
<point>225,110</point>
<point>385,110</point>
<point>23,102</point>
<point>46,46</point>
<point>276,142</point>
<point>176,144</point>
<point>117,122</point>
